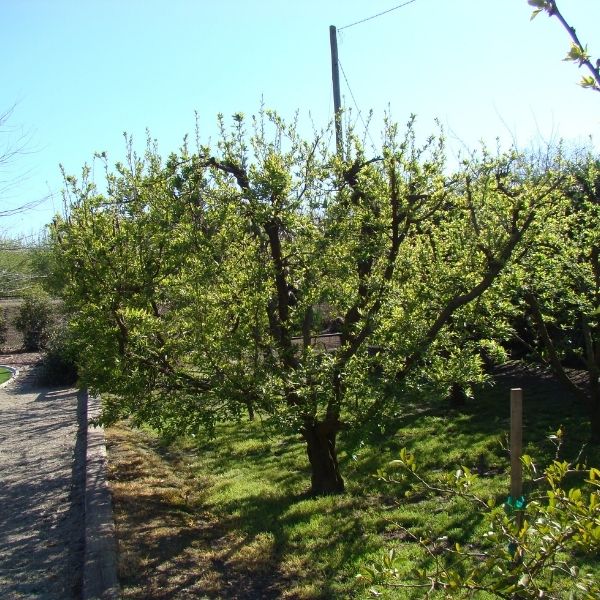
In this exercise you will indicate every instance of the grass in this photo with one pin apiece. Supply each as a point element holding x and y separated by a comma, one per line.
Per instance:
<point>230,518</point>
<point>5,375</point>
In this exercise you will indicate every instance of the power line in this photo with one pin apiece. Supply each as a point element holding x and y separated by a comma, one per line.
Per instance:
<point>385,12</point>
<point>356,103</point>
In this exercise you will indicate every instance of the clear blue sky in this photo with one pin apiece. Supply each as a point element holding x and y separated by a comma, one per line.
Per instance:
<point>82,72</point>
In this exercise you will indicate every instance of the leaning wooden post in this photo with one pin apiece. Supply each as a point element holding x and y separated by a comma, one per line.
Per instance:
<point>516,442</point>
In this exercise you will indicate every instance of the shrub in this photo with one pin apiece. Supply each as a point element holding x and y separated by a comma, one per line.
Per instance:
<point>3,328</point>
<point>539,547</point>
<point>35,319</point>
<point>59,366</point>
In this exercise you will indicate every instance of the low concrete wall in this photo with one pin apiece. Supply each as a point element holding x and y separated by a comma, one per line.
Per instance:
<point>100,561</point>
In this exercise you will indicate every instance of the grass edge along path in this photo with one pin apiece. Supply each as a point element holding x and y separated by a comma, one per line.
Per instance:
<point>228,517</point>
<point>5,375</point>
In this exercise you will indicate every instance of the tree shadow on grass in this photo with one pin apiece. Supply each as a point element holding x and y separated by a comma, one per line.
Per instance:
<point>268,537</point>
<point>482,425</point>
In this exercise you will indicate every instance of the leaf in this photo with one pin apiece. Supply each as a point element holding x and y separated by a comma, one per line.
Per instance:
<point>539,5</point>
<point>577,54</point>
<point>588,81</point>
<point>535,13</point>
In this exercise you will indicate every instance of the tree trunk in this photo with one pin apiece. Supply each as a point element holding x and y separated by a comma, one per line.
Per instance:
<point>595,426</point>
<point>594,410</point>
<point>457,396</point>
<point>320,446</point>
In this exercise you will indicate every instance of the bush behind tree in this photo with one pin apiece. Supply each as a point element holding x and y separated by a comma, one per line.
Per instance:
<point>3,327</point>
<point>59,364</point>
<point>35,319</point>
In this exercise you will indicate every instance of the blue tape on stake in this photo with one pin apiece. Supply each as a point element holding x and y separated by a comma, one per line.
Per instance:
<point>513,504</point>
<point>510,506</point>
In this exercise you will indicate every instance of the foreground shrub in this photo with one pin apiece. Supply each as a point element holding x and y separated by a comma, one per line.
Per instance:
<point>35,319</point>
<point>533,547</point>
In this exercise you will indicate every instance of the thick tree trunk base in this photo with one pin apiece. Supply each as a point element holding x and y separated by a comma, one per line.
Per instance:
<point>595,427</point>
<point>457,396</point>
<point>320,446</point>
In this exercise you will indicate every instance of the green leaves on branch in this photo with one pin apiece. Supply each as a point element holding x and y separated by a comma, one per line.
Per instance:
<point>532,550</point>
<point>578,53</point>
<point>588,81</point>
<point>541,6</point>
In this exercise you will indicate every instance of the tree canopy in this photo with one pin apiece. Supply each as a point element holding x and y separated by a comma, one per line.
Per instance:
<point>199,283</point>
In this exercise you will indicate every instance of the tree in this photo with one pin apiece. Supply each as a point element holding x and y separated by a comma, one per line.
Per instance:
<point>193,282</point>
<point>578,53</point>
<point>15,253</point>
<point>12,146</point>
<point>562,295</point>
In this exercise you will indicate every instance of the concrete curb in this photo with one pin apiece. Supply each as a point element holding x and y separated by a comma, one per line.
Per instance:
<point>100,559</point>
<point>14,372</point>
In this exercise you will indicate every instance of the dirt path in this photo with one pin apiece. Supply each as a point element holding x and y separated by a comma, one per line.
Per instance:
<point>42,460</point>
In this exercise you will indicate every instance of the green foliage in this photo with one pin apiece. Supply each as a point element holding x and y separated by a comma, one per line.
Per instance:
<point>562,291</point>
<point>35,319</point>
<point>59,364</point>
<point>3,328</point>
<point>15,268</point>
<point>193,281</point>
<point>578,53</point>
<point>531,549</point>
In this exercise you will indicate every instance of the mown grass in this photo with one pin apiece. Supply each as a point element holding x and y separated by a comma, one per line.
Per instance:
<point>229,517</point>
<point>4,375</point>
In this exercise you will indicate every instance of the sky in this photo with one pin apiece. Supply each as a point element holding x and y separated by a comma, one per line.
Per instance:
<point>80,73</point>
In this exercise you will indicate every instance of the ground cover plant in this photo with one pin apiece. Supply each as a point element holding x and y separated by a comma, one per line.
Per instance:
<point>230,517</point>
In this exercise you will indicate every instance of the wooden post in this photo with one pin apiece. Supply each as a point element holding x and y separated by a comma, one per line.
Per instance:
<point>516,443</point>
<point>335,77</point>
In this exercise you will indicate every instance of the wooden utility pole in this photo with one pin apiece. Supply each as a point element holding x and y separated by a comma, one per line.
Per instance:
<point>335,77</point>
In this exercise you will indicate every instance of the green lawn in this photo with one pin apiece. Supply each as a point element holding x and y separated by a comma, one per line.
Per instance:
<point>5,375</point>
<point>251,488</point>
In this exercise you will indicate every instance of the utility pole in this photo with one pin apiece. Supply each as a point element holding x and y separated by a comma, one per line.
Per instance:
<point>335,77</point>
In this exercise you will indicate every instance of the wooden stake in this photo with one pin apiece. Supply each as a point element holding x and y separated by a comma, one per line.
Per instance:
<point>516,442</point>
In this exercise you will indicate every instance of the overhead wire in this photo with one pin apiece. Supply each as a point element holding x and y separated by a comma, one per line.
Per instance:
<point>385,12</point>
<point>339,29</point>
<point>356,103</point>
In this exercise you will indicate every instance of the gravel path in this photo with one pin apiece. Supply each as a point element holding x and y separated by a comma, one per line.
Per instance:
<point>42,474</point>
